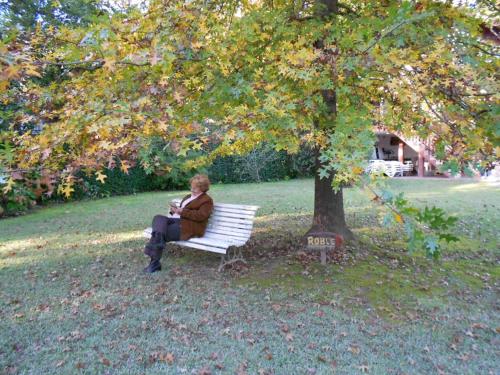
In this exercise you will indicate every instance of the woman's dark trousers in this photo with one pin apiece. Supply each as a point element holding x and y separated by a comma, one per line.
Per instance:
<point>165,229</point>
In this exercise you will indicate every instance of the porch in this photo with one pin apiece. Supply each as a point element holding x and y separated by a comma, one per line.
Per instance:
<point>400,155</point>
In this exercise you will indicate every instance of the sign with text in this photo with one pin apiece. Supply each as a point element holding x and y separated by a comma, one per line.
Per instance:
<point>326,241</point>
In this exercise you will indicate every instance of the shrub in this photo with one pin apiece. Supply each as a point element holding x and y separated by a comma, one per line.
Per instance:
<point>17,200</point>
<point>262,164</point>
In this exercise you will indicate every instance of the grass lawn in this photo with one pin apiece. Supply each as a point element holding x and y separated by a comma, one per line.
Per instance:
<point>73,299</point>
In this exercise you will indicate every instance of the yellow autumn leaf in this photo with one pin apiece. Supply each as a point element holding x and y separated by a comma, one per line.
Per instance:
<point>106,145</point>
<point>31,70</point>
<point>163,80</point>
<point>4,85</point>
<point>66,189</point>
<point>109,63</point>
<point>177,96</point>
<point>12,71</point>
<point>163,126</point>
<point>197,45</point>
<point>125,166</point>
<point>100,176</point>
<point>183,151</point>
<point>167,168</point>
<point>357,170</point>
<point>197,145</point>
<point>269,86</point>
<point>398,218</point>
<point>8,187</point>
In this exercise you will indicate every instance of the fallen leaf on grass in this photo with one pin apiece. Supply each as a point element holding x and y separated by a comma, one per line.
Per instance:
<point>204,371</point>
<point>354,349</point>
<point>42,308</point>
<point>169,358</point>
<point>214,356</point>
<point>242,369</point>
<point>276,307</point>
<point>98,306</point>
<point>105,361</point>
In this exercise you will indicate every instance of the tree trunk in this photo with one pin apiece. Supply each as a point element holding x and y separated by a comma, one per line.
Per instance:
<point>328,204</point>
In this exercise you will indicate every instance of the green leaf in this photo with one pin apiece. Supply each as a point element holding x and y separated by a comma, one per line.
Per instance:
<point>323,173</point>
<point>432,246</point>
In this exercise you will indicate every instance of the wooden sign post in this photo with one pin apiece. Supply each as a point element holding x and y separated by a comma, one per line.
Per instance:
<point>323,242</point>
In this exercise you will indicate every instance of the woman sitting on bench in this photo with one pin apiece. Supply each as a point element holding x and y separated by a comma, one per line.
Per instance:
<point>188,220</point>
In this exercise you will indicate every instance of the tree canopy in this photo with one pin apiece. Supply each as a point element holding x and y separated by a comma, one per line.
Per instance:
<point>256,71</point>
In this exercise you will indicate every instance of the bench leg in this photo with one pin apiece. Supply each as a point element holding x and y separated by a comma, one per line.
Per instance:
<point>232,255</point>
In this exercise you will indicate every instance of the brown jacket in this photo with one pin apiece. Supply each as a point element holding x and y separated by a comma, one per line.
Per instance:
<point>194,217</point>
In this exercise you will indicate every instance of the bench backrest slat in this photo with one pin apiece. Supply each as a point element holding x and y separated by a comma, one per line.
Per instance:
<point>225,238</point>
<point>233,215</point>
<point>220,227</point>
<point>231,234</point>
<point>230,211</point>
<point>244,207</point>
<point>216,217</point>
<point>230,223</point>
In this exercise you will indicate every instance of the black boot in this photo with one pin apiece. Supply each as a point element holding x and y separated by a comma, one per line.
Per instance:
<point>154,248</point>
<point>155,241</point>
<point>153,266</point>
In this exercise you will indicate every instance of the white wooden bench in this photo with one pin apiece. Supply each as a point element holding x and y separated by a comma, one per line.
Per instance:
<point>229,227</point>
